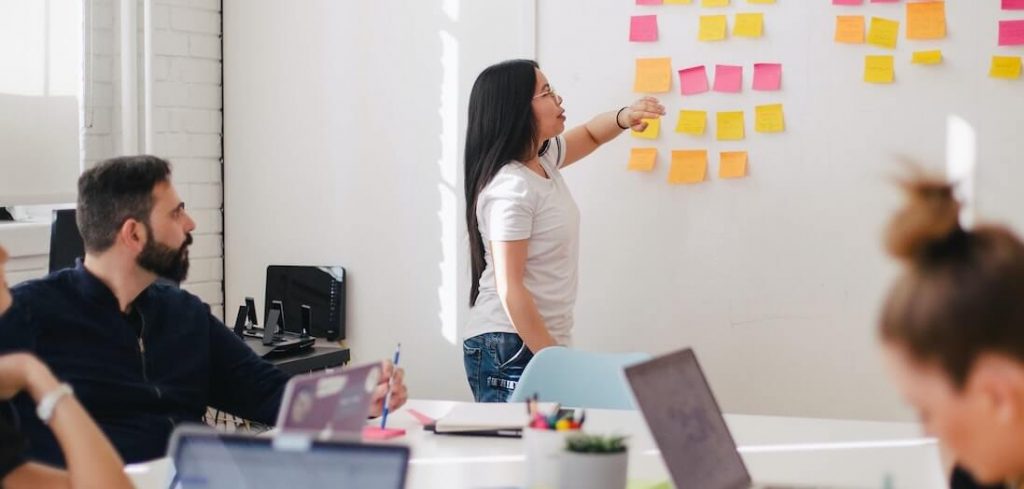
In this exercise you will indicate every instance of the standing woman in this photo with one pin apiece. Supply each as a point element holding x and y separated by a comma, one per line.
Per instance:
<point>953,333</point>
<point>522,221</point>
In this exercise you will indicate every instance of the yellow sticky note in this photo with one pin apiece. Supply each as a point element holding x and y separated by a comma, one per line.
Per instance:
<point>712,27</point>
<point>769,118</point>
<point>652,130</point>
<point>878,69</point>
<point>850,29</point>
<point>653,75</point>
<point>642,159</point>
<point>926,20</point>
<point>688,166</point>
<point>714,3</point>
<point>732,164</point>
<point>1006,67</point>
<point>933,57</point>
<point>730,126</point>
<point>748,25</point>
<point>677,2</point>
<point>883,32</point>
<point>692,122</point>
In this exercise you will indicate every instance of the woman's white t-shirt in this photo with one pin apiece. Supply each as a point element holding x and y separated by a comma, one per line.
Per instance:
<point>520,204</point>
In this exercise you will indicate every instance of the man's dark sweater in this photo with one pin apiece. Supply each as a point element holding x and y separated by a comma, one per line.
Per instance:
<point>137,374</point>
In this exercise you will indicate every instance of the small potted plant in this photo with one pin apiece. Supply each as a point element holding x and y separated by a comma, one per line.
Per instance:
<point>594,462</point>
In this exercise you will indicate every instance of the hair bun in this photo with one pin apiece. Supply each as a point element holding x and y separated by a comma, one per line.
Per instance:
<point>930,218</point>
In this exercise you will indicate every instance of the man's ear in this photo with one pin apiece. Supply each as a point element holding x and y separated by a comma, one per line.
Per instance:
<point>132,234</point>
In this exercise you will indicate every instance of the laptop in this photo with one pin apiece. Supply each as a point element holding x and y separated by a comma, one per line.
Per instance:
<point>206,459</point>
<point>329,404</point>
<point>687,424</point>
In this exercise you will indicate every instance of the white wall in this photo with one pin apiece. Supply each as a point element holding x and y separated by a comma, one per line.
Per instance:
<point>186,120</point>
<point>343,135</point>
<point>776,279</point>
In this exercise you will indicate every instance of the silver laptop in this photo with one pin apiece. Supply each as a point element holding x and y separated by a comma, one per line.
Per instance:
<point>205,459</point>
<point>687,423</point>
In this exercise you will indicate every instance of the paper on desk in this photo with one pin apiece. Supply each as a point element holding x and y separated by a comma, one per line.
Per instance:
<point>486,416</point>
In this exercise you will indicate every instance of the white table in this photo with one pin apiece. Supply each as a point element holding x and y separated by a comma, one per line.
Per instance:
<point>839,453</point>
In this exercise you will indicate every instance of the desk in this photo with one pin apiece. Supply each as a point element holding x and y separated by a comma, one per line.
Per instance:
<point>321,356</point>
<point>842,453</point>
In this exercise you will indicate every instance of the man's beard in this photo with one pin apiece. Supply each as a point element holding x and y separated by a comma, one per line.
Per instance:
<point>164,261</point>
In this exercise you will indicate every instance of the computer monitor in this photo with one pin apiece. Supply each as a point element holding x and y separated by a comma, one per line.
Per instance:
<point>65,241</point>
<point>320,288</point>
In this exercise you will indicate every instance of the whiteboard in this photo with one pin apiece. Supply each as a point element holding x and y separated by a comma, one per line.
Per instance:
<point>775,279</point>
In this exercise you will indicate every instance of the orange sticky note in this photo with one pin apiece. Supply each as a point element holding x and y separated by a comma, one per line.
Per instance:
<point>642,159</point>
<point>653,75</point>
<point>850,29</point>
<point>732,164</point>
<point>926,20</point>
<point>688,166</point>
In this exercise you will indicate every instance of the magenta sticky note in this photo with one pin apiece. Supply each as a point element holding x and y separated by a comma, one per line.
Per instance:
<point>1011,32</point>
<point>847,2</point>
<point>693,80</point>
<point>643,28</point>
<point>648,2</point>
<point>767,76</point>
<point>728,78</point>
<point>1013,4</point>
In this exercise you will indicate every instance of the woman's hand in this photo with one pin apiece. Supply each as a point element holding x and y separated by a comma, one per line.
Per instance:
<point>644,108</point>
<point>23,371</point>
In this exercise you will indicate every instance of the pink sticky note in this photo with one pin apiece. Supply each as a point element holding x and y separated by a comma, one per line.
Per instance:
<point>767,76</point>
<point>693,80</point>
<point>643,28</point>
<point>1013,4</point>
<point>847,2</point>
<point>648,2</point>
<point>728,78</point>
<point>1011,32</point>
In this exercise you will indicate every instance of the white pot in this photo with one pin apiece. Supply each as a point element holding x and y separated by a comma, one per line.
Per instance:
<point>543,450</point>
<point>593,470</point>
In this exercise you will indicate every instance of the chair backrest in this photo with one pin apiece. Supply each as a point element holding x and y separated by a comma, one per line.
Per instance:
<point>578,378</point>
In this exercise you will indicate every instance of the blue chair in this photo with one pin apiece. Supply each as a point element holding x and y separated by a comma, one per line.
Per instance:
<point>578,378</point>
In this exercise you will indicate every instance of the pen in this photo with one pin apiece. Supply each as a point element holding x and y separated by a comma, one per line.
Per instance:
<point>387,395</point>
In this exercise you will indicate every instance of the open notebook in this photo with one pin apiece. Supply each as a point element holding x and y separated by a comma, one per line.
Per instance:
<point>486,419</point>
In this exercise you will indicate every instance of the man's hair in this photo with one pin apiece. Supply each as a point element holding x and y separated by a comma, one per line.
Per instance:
<point>114,191</point>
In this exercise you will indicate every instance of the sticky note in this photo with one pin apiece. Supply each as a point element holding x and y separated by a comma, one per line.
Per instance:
<point>652,130</point>
<point>728,78</point>
<point>1005,67</point>
<point>883,32</point>
<point>1013,4</point>
<point>850,29</point>
<point>932,57</point>
<point>712,28</point>
<point>643,28</point>
<point>653,75</point>
<point>642,159</point>
<point>714,3</point>
<point>1011,32</point>
<point>847,2</point>
<point>878,69</point>
<point>769,118</point>
<point>693,80</point>
<point>926,20</point>
<point>648,2</point>
<point>748,25</point>
<point>692,122</point>
<point>767,76</point>
<point>688,166</point>
<point>730,126</point>
<point>732,164</point>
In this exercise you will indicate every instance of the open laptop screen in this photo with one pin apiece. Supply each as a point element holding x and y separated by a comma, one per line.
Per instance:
<point>216,460</point>
<point>686,422</point>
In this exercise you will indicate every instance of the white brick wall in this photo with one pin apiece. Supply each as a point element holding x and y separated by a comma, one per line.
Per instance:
<point>186,122</point>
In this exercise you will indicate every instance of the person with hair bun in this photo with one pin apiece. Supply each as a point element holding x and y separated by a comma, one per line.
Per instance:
<point>952,329</point>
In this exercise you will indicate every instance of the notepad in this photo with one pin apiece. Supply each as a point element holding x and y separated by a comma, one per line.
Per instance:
<point>926,20</point>
<point>486,416</point>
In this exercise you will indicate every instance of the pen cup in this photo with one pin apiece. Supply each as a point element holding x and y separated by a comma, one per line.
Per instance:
<point>543,450</point>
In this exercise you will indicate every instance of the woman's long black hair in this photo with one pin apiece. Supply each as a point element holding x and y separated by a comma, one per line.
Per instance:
<point>501,129</point>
